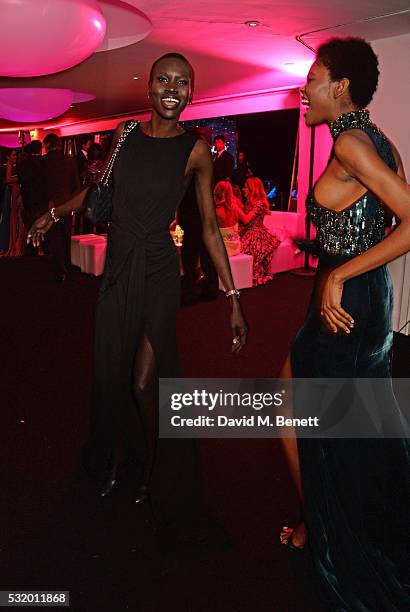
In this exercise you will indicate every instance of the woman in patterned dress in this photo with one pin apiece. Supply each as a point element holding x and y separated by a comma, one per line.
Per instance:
<point>228,213</point>
<point>256,239</point>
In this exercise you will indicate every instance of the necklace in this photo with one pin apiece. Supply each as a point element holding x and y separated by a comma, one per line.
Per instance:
<point>354,120</point>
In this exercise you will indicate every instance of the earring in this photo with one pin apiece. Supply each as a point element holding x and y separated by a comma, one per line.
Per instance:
<point>189,100</point>
<point>149,95</point>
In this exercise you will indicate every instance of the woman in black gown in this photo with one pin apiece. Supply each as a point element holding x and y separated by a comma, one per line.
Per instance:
<point>354,492</point>
<point>135,341</point>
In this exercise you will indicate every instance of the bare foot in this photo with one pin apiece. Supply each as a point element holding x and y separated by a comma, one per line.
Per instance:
<point>297,536</point>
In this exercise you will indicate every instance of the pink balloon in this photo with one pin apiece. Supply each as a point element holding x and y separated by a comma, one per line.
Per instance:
<point>40,37</point>
<point>33,104</point>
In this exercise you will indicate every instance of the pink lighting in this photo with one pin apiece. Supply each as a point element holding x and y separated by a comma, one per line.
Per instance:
<point>298,68</point>
<point>37,104</point>
<point>126,25</point>
<point>12,141</point>
<point>55,35</point>
<point>98,24</point>
<point>82,96</point>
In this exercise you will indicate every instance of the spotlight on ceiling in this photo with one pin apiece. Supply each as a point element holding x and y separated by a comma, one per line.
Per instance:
<point>299,69</point>
<point>135,78</point>
<point>253,23</point>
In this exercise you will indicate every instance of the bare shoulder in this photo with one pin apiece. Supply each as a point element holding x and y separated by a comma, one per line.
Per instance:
<point>354,148</point>
<point>201,148</point>
<point>352,141</point>
<point>200,158</point>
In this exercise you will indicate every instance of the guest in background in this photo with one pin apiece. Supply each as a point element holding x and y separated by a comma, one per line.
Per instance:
<point>32,183</point>
<point>4,204</point>
<point>237,192</point>
<point>95,162</point>
<point>61,183</point>
<point>13,233</point>
<point>242,171</point>
<point>194,252</point>
<point>224,163</point>
<point>88,172</point>
<point>228,213</point>
<point>86,143</point>
<point>105,142</point>
<point>256,239</point>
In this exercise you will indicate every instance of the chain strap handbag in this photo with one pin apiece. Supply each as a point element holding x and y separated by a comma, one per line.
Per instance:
<point>99,198</point>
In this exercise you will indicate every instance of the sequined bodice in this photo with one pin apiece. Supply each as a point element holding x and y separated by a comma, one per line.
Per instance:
<point>360,226</point>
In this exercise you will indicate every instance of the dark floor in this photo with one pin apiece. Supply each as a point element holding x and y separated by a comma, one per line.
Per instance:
<point>55,534</point>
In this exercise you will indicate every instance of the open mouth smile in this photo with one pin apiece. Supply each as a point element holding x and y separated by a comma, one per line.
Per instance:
<point>170,102</point>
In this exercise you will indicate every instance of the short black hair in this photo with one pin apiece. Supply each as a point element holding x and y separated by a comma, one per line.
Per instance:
<point>354,59</point>
<point>220,137</point>
<point>52,142</point>
<point>84,138</point>
<point>33,148</point>
<point>173,55</point>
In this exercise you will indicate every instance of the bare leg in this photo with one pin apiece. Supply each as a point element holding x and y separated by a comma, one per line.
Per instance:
<point>145,380</point>
<point>297,535</point>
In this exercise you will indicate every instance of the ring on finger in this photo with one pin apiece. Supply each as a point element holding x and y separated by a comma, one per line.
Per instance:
<point>236,340</point>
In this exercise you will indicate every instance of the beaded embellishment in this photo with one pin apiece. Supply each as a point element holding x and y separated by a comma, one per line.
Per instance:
<point>360,226</point>
<point>351,231</point>
<point>355,120</point>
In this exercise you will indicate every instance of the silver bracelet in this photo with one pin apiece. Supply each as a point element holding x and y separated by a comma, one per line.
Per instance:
<point>53,215</point>
<point>234,292</point>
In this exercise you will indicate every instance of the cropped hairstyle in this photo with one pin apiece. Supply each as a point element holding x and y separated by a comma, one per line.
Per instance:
<point>354,59</point>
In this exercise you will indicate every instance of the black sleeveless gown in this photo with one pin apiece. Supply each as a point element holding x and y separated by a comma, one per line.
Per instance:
<point>357,491</point>
<point>140,295</point>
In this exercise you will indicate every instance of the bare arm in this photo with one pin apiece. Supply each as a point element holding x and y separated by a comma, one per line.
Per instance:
<point>201,163</point>
<point>247,218</point>
<point>76,203</point>
<point>358,156</point>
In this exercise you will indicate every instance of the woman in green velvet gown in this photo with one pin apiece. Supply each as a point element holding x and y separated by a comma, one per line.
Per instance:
<point>354,491</point>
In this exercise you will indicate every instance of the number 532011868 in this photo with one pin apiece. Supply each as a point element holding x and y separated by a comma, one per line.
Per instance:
<point>34,598</point>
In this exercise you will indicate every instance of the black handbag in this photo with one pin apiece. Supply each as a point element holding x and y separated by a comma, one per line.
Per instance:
<point>98,202</point>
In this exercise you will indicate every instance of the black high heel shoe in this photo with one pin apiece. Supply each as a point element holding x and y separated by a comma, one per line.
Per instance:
<point>142,494</point>
<point>112,481</point>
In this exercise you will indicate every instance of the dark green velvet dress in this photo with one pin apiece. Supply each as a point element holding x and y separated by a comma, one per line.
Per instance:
<point>356,490</point>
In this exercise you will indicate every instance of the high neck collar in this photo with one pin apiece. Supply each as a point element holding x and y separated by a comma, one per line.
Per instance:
<point>354,120</point>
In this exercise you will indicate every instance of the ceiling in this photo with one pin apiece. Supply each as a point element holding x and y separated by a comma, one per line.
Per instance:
<point>229,57</point>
